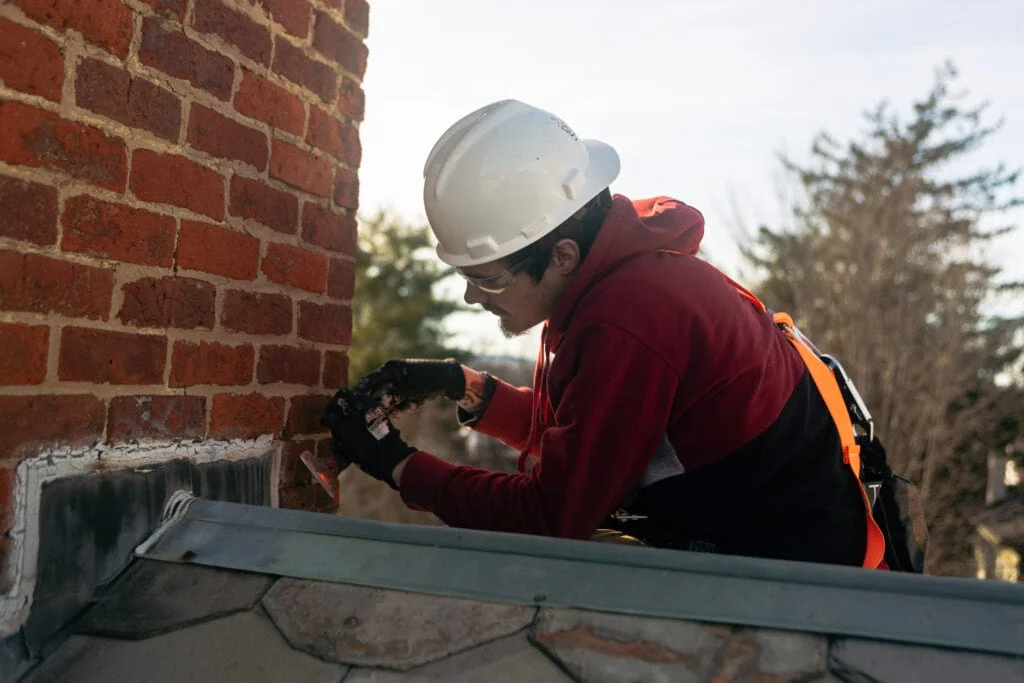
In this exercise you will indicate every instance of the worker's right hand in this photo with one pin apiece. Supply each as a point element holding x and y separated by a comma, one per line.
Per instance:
<point>402,384</point>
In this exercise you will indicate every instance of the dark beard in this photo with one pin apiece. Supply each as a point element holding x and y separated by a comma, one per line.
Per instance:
<point>509,334</point>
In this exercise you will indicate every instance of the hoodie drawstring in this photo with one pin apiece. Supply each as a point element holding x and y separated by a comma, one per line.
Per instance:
<point>540,393</point>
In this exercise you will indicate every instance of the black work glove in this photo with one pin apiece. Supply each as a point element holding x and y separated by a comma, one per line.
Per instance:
<point>362,433</point>
<point>402,384</point>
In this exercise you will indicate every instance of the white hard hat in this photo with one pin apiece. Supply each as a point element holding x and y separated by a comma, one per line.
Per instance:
<point>504,176</point>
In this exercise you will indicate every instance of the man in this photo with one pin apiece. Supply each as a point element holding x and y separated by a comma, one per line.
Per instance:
<point>664,404</point>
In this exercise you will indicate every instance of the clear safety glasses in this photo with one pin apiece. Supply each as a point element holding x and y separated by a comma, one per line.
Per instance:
<point>493,284</point>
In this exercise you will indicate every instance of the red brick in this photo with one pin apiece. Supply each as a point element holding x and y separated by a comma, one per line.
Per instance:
<point>246,416</point>
<point>338,138</point>
<point>112,92</point>
<point>103,356</point>
<point>29,62</point>
<point>222,137</point>
<point>171,51</point>
<point>177,180</point>
<point>169,301</point>
<point>251,39</point>
<point>37,138</point>
<point>294,64</point>
<point>301,497</point>
<point>301,169</point>
<point>156,417</point>
<point>310,497</point>
<point>357,16</point>
<point>211,363</point>
<point>335,370</point>
<point>273,208</point>
<point>29,211</point>
<point>221,251</point>
<point>117,231</point>
<point>23,353</point>
<point>351,100</point>
<point>304,414</point>
<point>107,23</point>
<point>292,470</point>
<point>36,423</point>
<point>292,14</point>
<point>288,364</point>
<point>341,278</point>
<point>264,101</point>
<point>327,323</point>
<point>339,44</point>
<point>170,9</point>
<point>346,189</point>
<point>324,228</point>
<point>40,284</point>
<point>295,267</point>
<point>256,313</point>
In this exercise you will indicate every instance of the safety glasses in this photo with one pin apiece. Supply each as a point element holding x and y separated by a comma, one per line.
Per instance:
<point>494,284</point>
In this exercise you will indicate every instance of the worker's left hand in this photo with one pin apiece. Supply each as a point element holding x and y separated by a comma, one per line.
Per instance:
<point>363,434</point>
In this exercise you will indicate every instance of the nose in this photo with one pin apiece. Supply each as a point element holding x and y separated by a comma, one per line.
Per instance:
<point>474,295</point>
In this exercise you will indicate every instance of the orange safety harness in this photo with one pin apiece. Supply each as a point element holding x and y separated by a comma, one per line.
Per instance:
<point>828,386</point>
<point>838,407</point>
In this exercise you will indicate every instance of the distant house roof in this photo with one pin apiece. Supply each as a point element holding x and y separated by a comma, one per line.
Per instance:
<point>232,592</point>
<point>1005,520</point>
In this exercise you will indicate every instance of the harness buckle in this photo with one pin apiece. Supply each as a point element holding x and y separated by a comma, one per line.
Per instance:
<point>859,413</point>
<point>623,517</point>
<point>874,488</point>
<point>855,406</point>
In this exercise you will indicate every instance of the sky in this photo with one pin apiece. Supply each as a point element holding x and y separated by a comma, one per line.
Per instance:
<point>698,98</point>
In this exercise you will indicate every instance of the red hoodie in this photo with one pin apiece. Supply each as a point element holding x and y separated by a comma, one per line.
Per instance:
<point>648,341</point>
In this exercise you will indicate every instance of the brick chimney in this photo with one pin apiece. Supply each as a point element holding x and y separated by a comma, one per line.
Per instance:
<point>178,187</point>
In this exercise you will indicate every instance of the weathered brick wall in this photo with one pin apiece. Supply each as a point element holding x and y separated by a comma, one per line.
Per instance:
<point>178,186</point>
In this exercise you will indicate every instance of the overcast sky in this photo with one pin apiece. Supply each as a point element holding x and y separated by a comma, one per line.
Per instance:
<point>697,97</point>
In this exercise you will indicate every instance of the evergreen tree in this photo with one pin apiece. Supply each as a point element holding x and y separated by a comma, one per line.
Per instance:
<point>397,311</point>
<point>882,268</point>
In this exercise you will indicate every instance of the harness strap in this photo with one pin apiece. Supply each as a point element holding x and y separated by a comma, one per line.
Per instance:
<point>829,390</point>
<point>828,387</point>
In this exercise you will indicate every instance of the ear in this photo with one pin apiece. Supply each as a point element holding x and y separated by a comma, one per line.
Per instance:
<point>565,257</point>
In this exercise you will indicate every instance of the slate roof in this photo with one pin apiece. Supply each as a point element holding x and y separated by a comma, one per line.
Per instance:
<point>228,592</point>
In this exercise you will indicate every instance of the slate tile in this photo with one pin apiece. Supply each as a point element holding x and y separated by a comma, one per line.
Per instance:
<point>243,648</point>
<point>509,660</point>
<point>387,628</point>
<point>613,647</point>
<point>856,660</point>
<point>156,597</point>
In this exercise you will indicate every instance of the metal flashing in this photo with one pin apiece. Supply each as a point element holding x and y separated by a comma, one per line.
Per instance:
<point>529,570</point>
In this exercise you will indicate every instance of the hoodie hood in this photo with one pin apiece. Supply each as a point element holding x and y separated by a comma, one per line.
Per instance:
<point>631,228</point>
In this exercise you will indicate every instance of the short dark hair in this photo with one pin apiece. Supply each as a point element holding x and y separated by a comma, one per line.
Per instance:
<point>582,228</point>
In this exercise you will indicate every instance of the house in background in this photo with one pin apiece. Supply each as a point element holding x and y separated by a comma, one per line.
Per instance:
<point>999,532</point>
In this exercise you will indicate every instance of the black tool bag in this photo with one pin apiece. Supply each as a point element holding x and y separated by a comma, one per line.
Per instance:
<point>896,507</point>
